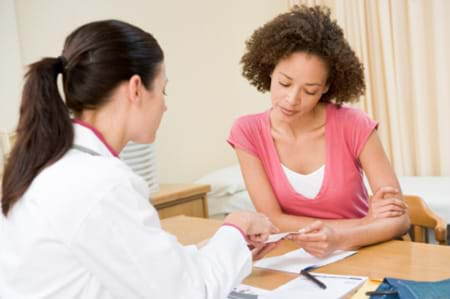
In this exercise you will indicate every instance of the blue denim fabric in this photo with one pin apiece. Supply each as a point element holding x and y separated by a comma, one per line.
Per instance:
<point>409,289</point>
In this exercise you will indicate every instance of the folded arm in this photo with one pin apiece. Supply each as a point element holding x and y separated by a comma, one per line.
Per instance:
<point>387,217</point>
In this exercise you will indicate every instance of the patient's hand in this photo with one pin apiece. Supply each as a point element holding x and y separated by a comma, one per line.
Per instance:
<point>387,202</point>
<point>317,238</point>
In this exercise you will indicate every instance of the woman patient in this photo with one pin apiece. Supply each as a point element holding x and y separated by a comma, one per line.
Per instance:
<point>303,159</point>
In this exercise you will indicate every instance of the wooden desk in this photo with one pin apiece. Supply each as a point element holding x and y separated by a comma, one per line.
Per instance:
<point>181,199</point>
<point>398,259</point>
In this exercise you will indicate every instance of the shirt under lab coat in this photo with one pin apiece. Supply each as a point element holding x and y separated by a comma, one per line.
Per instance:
<point>85,229</point>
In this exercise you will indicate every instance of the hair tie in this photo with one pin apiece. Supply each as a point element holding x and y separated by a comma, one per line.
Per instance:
<point>62,62</point>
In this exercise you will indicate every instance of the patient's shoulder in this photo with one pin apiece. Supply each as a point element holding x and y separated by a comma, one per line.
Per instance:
<point>251,122</point>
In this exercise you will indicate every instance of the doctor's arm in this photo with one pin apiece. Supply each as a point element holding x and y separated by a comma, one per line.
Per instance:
<point>122,245</point>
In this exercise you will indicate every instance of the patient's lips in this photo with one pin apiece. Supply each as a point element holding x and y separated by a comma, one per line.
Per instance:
<point>287,112</point>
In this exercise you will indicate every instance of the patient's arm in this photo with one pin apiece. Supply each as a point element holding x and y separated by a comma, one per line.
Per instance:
<point>387,218</point>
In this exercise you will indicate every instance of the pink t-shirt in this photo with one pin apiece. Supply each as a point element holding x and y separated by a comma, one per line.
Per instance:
<point>342,194</point>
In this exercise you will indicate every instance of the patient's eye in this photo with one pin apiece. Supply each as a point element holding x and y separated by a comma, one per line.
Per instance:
<point>311,93</point>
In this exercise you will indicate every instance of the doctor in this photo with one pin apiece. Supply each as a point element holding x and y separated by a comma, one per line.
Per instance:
<point>76,221</point>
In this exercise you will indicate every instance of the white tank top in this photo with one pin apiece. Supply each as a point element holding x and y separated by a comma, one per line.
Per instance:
<point>307,185</point>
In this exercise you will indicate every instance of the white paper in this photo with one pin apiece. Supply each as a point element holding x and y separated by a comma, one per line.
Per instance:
<point>276,237</point>
<point>338,286</point>
<point>296,260</point>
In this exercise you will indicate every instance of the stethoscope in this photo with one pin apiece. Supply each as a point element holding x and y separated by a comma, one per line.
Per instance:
<point>85,150</point>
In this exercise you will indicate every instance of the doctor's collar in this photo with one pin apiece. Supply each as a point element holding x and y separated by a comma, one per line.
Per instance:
<point>98,134</point>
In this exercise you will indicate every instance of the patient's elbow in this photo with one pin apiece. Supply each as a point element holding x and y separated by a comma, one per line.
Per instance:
<point>404,225</point>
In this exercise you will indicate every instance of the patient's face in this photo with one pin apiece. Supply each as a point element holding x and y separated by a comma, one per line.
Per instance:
<point>297,85</point>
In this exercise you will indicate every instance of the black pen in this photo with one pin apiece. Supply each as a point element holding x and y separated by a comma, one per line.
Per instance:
<point>309,276</point>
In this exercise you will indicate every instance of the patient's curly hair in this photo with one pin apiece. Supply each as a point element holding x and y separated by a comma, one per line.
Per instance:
<point>310,30</point>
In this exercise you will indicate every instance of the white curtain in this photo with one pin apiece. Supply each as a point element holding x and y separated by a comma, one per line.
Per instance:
<point>405,47</point>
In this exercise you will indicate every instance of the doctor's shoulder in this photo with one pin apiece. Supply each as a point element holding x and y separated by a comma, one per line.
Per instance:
<point>89,176</point>
<point>111,172</point>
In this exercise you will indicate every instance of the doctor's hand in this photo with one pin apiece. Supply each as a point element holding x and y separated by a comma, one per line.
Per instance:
<point>260,252</point>
<point>386,202</point>
<point>256,226</point>
<point>317,238</point>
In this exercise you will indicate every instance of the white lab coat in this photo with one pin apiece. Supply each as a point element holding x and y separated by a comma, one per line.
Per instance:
<point>85,229</point>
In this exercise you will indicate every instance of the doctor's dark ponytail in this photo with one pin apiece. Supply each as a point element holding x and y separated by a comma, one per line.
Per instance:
<point>44,132</point>
<point>95,59</point>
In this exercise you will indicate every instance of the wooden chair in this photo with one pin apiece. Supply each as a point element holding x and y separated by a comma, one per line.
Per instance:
<point>423,218</point>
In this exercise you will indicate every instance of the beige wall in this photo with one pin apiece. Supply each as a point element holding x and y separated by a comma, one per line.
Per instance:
<point>10,66</point>
<point>203,41</point>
